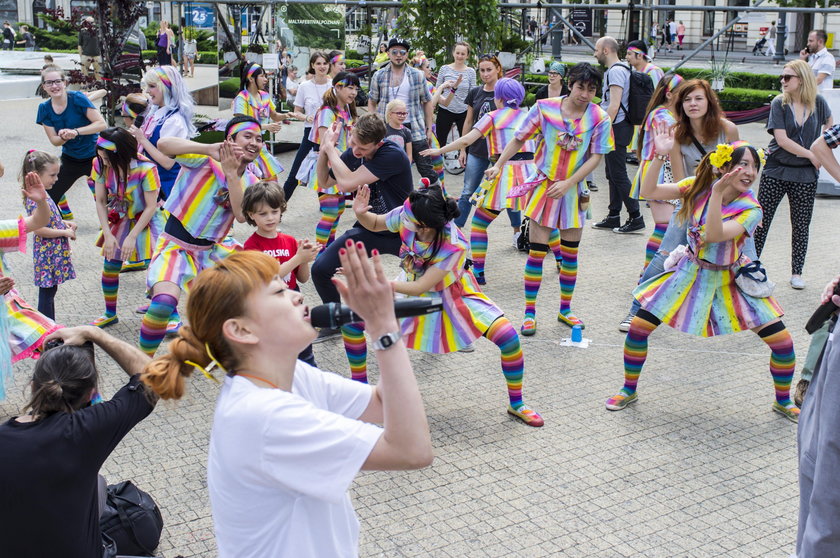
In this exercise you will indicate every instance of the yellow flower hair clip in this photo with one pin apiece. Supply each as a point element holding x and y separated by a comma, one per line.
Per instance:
<point>762,156</point>
<point>722,155</point>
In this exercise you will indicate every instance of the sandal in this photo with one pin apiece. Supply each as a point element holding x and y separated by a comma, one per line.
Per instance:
<point>790,411</point>
<point>526,415</point>
<point>529,327</point>
<point>570,320</point>
<point>105,321</point>
<point>621,400</point>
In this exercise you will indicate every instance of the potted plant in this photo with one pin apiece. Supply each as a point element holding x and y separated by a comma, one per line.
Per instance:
<point>718,71</point>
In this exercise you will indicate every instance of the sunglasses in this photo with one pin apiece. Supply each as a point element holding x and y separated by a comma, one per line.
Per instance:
<point>400,113</point>
<point>399,51</point>
<point>787,77</point>
<point>487,57</point>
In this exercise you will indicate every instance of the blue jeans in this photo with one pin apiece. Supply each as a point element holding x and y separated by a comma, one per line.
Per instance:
<point>674,236</point>
<point>473,176</point>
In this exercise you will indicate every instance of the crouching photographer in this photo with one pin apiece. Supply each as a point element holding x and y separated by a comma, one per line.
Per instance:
<point>51,495</point>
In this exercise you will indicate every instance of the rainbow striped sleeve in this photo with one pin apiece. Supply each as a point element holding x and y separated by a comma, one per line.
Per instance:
<point>393,219</point>
<point>191,160</point>
<point>95,176</point>
<point>602,137</point>
<point>485,124</point>
<point>13,235</point>
<point>750,212</point>
<point>241,104</point>
<point>532,125</point>
<point>148,174</point>
<point>270,102</point>
<point>323,118</point>
<point>451,254</point>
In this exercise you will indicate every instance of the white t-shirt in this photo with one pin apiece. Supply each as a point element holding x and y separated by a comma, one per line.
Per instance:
<point>403,90</point>
<point>281,463</point>
<point>822,62</point>
<point>291,85</point>
<point>310,96</point>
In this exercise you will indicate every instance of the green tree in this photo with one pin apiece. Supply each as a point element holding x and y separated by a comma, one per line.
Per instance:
<point>435,25</point>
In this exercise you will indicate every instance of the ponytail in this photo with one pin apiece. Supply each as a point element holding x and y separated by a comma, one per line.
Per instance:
<point>166,375</point>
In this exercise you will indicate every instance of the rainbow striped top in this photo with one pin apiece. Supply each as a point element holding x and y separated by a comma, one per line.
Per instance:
<point>658,115</point>
<point>199,197</point>
<point>260,109</point>
<point>12,238</point>
<point>744,209</point>
<point>565,145</point>
<point>655,72</point>
<point>500,126</point>
<point>324,118</point>
<point>142,177</point>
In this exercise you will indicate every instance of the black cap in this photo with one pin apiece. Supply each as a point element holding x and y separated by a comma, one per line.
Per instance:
<point>395,41</point>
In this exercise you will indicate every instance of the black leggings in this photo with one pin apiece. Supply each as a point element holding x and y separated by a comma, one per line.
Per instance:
<point>291,178</point>
<point>801,197</point>
<point>71,170</point>
<point>444,122</point>
<point>46,301</point>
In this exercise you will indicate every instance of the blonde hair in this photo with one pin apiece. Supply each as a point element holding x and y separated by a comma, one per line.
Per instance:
<point>394,104</point>
<point>807,85</point>
<point>37,161</point>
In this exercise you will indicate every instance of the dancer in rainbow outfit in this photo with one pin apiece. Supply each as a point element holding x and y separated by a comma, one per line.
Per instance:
<point>255,102</point>
<point>433,254</point>
<point>699,294</point>
<point>126,187</point>
<point>498,127</point>
<point>206,199</point>
<point>574,134</point>
<point>659,112</point>
<point>22,328</point>
<point>338,105</point>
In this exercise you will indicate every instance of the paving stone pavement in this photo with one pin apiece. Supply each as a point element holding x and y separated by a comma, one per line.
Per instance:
<point>699,467</point>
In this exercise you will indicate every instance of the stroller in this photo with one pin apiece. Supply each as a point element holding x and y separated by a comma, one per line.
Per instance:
<point>759,46</point>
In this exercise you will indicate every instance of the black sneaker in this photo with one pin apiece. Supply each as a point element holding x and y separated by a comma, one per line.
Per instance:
<point>631,159</point>
<point>609,223</point>
<point>327,333</point>
<point>592,186</point>
<point>631,226</point>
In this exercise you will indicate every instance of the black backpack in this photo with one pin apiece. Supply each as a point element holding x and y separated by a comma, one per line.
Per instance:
<point>132,519</point>
<point>641,90</point>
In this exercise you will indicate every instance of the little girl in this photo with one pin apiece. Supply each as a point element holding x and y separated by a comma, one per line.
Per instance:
<point>50,244</point>
<point>127,187</point>
<point>395,114</point>
<point>434,253</point>
<point>338,104</point>
<point>22,328</point>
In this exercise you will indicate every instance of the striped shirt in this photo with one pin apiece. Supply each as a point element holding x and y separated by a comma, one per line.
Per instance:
<point>500,126</point>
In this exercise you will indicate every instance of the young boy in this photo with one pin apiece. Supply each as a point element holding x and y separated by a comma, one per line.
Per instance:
<point>263,206</point>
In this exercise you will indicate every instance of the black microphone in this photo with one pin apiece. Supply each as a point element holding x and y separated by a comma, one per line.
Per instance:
<point>334,315</point>
<point>138,120</point>
<point>822,313</point>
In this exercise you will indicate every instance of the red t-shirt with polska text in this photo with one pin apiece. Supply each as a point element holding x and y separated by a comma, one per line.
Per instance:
<point>282,248</point>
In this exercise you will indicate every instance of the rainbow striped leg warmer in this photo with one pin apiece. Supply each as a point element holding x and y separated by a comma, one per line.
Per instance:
<point>153,327</point>
<point>533,277</point>
<point>332,206</point>
<point>355,346</point>
<point>503,334</point>
<point>478,237</point>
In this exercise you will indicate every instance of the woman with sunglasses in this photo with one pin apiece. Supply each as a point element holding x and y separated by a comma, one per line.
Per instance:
<point>476,157</point>
<point>71,122</point>
<point>797,117</point>
<point>556,86</point>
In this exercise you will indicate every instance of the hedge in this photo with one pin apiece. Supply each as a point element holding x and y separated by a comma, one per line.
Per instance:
<point>204,57</point>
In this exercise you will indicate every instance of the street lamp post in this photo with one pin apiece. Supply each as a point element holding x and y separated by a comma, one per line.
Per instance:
<point>781,35</point>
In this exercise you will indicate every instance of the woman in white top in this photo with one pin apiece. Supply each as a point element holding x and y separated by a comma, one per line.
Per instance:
<point>170,116</point>
<point>310,97</point>
<point>287,438</point>
<point>456,111</point>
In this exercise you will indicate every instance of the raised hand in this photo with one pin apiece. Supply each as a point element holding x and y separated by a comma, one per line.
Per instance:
<point>663,138</point>
<point>728,180</point>
<point>6,284</point>
<point>230,156</point>
<point>33,188</point>
<point>308,250</point>
<point>361,204</point>
<point>366,289</point>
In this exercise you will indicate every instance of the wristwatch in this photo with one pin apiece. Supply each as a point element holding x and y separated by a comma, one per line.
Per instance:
<point>387,341</point>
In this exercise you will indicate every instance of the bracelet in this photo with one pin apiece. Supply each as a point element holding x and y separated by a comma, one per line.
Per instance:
<point>662,157</point>
<point>77,132</point>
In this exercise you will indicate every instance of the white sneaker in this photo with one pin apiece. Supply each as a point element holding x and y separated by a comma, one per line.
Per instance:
<point>516,236</point>
<point>624,326</point>
<point>797,282</point>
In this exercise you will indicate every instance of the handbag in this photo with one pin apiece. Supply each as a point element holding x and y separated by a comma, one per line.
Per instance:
<point>752,279</point>
<point>132,519</point>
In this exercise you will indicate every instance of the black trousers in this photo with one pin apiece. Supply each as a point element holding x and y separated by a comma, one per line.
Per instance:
<point>302,152</point>
<point>71,170</point>
<point>616,169</point>
<point>327,262</point>
<point>444,122</point>
<point>424,164</point>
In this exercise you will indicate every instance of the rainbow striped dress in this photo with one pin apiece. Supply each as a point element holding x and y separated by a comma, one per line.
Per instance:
<point>657,116</point>
<point>467,313</point>
<point>126,204</point>
<point>704,301</point>
<point>266,165</point>
<point>500,127</point>
<point>21,325</point>
<point>324,118</point>
<point>564,146</point>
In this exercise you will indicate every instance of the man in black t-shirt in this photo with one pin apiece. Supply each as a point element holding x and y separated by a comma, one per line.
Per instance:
<point>370,160</point>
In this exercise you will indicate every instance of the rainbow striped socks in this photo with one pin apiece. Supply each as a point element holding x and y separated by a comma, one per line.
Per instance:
<point>554,244</point>
<point>654,241</point>
<point>153,327</point>
<point>504,336</point>
<point>635,349</point>
<point>568,278</point>
<point>782,360</point>
<point>111,285</point>
<point>533,278</point>
<point>64,208</point>
<point>332,206</point>
<point>355,346</point>
<point>478,239</point>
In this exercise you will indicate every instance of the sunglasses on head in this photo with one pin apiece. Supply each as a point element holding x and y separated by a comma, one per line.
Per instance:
<point>487,57</point>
